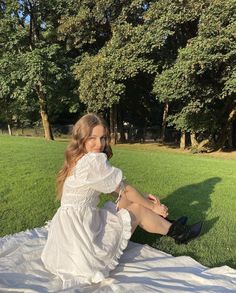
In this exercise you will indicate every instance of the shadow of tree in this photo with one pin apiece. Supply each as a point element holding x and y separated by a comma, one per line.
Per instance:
<point>193,200</point>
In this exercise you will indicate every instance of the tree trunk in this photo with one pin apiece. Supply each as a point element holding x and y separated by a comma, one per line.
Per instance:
<point>121,123</point>
<point>183,140</point>
<point>203,144</point>
<point>226,129</point>
<point>113,124</point>
<point>112,128</point>
<point>230,135</point>
<point>43,112</point>
<point>9,129</point>
<point>234,133</point>
<point>111,121</point>
<point>194,142</point>
<point>164,118</point>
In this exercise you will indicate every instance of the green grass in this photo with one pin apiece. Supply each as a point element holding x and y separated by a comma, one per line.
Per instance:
<point>199,186</point>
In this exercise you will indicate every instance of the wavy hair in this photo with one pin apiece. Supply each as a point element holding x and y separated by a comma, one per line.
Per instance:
<point>76,148</point>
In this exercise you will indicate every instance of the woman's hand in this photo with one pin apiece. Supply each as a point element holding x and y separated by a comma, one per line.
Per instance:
<point>153,198</point>
<point>158,208</point>
<point>161,210</point>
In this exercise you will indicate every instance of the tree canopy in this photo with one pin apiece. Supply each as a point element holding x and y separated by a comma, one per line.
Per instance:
<point>142,62</point>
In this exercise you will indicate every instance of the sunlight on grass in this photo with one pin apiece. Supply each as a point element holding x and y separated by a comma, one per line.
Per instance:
<point>200,187</point>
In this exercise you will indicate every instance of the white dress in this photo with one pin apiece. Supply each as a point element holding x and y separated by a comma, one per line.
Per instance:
<point>85,242</point>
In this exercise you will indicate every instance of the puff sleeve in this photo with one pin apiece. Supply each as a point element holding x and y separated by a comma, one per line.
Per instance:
<point>102,176</point>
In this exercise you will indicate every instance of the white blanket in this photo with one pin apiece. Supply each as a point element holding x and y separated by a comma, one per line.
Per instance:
<point>141,269</point>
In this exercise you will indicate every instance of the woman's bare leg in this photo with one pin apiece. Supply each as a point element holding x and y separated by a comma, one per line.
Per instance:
<point>145,218</point>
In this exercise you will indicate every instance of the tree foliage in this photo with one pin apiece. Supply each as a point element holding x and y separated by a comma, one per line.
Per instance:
<point>131,55</point>
<point>200,84</point>
<point>34,64</point>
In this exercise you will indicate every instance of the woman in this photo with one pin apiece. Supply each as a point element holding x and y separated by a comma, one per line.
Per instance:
<point>85,242</point>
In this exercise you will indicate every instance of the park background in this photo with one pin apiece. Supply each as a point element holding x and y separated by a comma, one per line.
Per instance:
<point>156,70</point>
<point>161,72</point>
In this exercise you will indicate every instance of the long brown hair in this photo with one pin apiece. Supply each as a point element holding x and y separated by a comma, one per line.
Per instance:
<point>76,148</point>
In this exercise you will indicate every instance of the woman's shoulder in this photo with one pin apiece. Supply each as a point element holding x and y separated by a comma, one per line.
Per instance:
<point>92,155</point>
<point>96,158</point>
<point>92,158</point>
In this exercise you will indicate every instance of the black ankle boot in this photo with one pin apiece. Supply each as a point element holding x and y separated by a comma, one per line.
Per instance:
<point>182,234</point>
<point>183,220</point>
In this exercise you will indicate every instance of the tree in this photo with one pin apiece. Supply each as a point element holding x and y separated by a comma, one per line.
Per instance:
<point>144,39</point>
<point>200,84</point>
<point>29,43</point>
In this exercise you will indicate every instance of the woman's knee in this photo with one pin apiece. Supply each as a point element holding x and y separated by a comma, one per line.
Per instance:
<point>135,206</point>
<point>135,210</point>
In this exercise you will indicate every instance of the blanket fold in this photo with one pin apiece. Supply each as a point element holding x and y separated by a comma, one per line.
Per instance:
<point>141,269</point>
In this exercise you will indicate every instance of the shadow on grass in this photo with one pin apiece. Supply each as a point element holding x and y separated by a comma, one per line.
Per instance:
<point>192,200</point>
<point>158,144</point>
<point>4,194</point>
<point>231,262</point>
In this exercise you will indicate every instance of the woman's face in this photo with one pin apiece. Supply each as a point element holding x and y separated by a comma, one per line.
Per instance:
<point>97,140</point>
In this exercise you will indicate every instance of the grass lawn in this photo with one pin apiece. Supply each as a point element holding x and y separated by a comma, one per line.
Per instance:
<point>201,187</point>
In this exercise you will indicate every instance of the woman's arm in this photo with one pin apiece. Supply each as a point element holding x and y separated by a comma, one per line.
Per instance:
<point>133,195</point>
